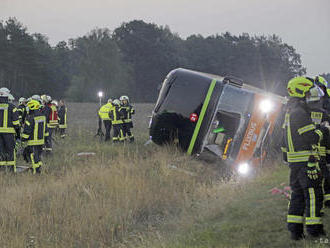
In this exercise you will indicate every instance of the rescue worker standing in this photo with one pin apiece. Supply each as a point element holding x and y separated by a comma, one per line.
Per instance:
<point>319,114</point>
<point>104,115</point>
<point>301,137</point>
<point>117,122</point>
<point>50,112</point>
<point>127,111</point>
<point>21,110</point>
<point>62,111</point>
<point>35,131</point>
<point>9,126</point>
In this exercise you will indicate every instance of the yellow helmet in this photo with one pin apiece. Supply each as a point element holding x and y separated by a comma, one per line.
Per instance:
<point>33,105</point>
<point>299,86</point>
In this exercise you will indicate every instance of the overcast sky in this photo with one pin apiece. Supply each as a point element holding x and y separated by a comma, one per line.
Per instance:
<point>304,24</point>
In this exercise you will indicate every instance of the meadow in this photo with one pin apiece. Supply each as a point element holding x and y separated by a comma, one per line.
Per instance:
<point>132,195</point>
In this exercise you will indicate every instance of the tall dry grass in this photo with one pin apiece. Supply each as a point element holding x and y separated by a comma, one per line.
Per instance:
<point>124,196</point>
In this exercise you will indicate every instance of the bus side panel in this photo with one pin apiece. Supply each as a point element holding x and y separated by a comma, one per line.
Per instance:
<point>210,112</point>
<point>257,121</point>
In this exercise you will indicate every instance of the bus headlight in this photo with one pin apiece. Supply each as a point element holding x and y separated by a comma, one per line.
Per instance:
<point>266,106</point>
<point>243,169</point>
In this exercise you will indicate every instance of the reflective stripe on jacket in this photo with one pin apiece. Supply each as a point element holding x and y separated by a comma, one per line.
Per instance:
<point>300,133</point>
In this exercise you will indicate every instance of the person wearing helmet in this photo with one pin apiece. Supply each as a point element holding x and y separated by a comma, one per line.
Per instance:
<point>51,114</point>
<point>21,110</point>
<point>9,126</point>
<point>34,133</point>
<point>104,115</point>
<point>301,139</point>
<point>127,111</point>
<point>117,122</point>
<point>11,98</point>
<point>62,118</point>
<point>320,109</point>
<point>323,84</point>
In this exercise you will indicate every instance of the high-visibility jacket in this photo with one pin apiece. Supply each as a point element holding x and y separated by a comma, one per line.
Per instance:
<point>105,110</point>
<point>62,117</point>
<point>116,116</point>
<point>319,115</point>
<point>9,122</point>
<point>35,128</point>
<point>301,135</point>
<point>53,117</point>
<point>127,111</point>
<point>21,113</point>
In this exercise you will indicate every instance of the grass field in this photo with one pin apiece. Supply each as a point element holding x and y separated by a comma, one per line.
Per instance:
<point>138,196</point>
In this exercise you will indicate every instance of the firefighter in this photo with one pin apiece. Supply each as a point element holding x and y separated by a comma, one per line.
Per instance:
<point>301,137</point>
<point>21,110</point>
<point>50,112</point>
<point>117,122</point>
<point>127,111</point>
<point>320,113</point>
<point>62,111</point>
<point>9,126</point>
<point>35,131</point>
<point>323,84</point>
<point>104,115</point>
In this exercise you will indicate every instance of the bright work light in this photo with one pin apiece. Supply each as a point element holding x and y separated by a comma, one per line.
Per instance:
<point>100,94</point>
<point>266,106</point>
<point>243,169</point>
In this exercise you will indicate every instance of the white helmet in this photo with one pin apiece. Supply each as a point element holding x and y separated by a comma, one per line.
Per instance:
<point>122,98</point>
<point>54,102</point>
<point>116,102</point>
<point>4,90</point>
<point>11,98</point>
<point>49,99</point>
<point>36,97</point>
<point>44,98</point>
<point>21,100</point>
<point>110,100</point>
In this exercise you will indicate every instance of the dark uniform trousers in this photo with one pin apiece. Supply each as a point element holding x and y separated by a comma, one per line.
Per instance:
<point>32,154</point>
<point>7,151</point>
<point>118,135</point>
<point>306,198</point>
<point>127,131</point>
<point>107,125</point>
<point>48,140</point>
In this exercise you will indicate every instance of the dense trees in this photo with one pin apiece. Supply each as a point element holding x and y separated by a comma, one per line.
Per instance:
<point>134,59</point>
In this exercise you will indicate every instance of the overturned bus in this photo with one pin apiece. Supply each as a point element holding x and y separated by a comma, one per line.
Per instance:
<point>202,112</point>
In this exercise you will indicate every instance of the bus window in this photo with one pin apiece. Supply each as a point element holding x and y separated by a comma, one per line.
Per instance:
<point>222,133</point>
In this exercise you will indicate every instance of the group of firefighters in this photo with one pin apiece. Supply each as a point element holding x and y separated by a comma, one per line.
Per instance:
<point>306,148</point>
<point>117,114</point>
<point>32,123</point>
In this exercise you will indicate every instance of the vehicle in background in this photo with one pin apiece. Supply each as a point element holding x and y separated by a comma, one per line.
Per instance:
<point>232,120</point>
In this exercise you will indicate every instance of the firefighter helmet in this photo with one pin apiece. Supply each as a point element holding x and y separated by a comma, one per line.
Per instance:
<point>11,98</point>
<point>36,97</point>
<point>110,100</point>
<point>21,100</point>
<point>4,90</point>
<point>321,81</point>
<point>123,98</point>
<point>116,102</point>
<point>44,98</point>
<point>33,105</point>
<point>299,86</point>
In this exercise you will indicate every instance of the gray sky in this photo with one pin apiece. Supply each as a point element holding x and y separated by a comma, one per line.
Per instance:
<point>304,24</point>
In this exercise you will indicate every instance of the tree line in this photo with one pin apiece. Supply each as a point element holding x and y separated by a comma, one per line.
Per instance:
<point>133,60</point>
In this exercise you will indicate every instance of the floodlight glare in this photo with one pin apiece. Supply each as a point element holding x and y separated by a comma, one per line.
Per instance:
<point>100,94</point>
<point>266,106</point>
<point>243,168</point>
